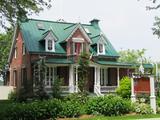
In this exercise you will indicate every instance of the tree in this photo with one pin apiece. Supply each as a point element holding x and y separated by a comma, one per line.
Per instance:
<point>83,71</point>
<point>13,10</point>
<point>39,89</point>
<point>133,56</point>
<point>156,26</point>
<point>5,43</point>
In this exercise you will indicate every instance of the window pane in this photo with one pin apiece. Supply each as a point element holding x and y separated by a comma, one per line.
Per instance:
<point>100,48</point>
<point>49,44</point>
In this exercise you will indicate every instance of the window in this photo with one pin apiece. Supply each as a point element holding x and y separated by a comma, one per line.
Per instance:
<point>101,48</point>
<point>103,77</point>
<point>15,52</point>
<point>50,45</point>
<point>24,76</point>
<point>23,49</point>
<point>49,76</point>
<point>14,78</point>
<point>78,48</point>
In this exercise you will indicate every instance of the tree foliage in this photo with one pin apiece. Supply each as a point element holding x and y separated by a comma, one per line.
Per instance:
<point>12,10</point>
<point>83,71</point>
<point>39,89</point>
<point>124,90</point>
<point>5,43</point>
<point>133,56</point>
<point>156,26</point>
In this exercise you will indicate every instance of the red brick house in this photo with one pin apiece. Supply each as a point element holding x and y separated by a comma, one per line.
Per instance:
<point>61,43</point>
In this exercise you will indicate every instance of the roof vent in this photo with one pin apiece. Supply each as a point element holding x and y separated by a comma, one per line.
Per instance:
<point>40,26</point>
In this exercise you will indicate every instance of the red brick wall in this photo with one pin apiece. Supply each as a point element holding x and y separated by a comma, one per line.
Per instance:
<point>16,63</point>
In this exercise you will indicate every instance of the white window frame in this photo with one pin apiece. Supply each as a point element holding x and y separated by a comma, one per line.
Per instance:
<point>77,40</point>
<point>15,52</point>
<point>47,39</point>
<point>103,49</point>
<point>49,79</point>
<point>23,49</point>
<point>74,49</point>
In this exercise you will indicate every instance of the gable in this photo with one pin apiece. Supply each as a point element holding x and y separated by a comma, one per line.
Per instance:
<point>79,32</point>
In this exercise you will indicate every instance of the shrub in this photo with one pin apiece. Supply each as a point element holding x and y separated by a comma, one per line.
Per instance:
<point>12,96</point>
<point>38,110</point>
<point>124,90</point>
<point>70,109</point>
<point>56,88</point>
<point>81,97</point>
<point>142,108</point>
<point>108,105</point>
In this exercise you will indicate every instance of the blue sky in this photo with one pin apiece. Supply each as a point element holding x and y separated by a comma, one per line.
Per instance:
<point>126,23</point>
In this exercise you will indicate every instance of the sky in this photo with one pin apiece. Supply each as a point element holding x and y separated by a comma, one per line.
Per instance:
<point>126,23</point>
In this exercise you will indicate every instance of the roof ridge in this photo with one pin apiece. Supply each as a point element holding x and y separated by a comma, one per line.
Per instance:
<point>55,21</point>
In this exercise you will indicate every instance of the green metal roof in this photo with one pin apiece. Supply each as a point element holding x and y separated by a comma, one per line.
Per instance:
<point>59,61</point>
<point>112,63</point>
<point>32,35</point>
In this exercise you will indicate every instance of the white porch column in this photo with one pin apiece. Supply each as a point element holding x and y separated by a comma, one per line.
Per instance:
<point>76,79</point>
<point>133,97</point>
<point>152,95</point>
<point>118,77</point>
<point>71,80</point>
<point>97,80</point>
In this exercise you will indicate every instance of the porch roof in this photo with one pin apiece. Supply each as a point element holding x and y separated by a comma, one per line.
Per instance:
<point>112,63</point>
<point>59,61</point>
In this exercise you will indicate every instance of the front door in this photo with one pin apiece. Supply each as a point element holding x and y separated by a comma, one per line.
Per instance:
<point>90,85</point>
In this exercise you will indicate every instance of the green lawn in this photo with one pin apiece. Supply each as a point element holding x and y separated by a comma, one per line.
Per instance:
<point>132,117</point>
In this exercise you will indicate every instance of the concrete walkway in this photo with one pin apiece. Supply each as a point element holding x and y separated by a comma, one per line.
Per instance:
<point>149,119</point>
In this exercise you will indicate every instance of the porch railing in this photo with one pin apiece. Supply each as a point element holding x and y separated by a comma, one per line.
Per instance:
<point>108,89</point>
<point>64,89</point>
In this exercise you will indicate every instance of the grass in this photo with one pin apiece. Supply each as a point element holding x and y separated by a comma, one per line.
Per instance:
<point>127,117</point>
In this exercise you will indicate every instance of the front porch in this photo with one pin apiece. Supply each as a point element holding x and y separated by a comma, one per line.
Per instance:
<point>101,80</point>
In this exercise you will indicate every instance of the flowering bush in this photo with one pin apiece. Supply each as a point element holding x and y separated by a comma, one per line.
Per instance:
<point>142,108</point>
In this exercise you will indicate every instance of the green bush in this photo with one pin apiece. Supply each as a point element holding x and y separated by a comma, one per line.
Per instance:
<point>81,97</point>
<point>38,110</point>
<point>12,96</point>
<point>108,105</point>
<point>70,109</point>
<point>141,108</point>
<point>124,90</point>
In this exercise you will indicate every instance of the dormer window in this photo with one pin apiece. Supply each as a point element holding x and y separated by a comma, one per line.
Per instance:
<point>50,47</point>
<point>77,45</point>
<point>49,41</point>
<point>78,48</point>
<point>101,48</point>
